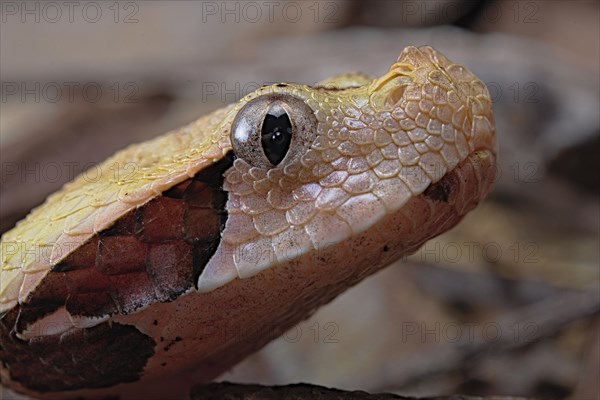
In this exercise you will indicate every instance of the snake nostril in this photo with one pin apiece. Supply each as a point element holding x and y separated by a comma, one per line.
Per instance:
<point>394,96</point>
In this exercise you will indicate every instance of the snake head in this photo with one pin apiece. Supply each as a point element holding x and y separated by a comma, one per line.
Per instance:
<point>324,166</point>
<point>329,184</point>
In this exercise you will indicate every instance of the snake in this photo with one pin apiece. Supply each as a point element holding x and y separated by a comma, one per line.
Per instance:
<point>176,258</point>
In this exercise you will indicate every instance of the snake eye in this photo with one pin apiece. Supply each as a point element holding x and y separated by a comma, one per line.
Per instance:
<point>276,134</point>
<point>272,129</point>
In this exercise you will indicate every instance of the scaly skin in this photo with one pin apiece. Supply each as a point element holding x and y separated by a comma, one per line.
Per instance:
<point>390,163</point>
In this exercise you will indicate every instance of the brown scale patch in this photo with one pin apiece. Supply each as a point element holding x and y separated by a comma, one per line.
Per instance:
<point>198,194</point>
<point>85,256</point>
<point>169,268</point>
<point>153,253</point>
<point>87,280</point>
<point>91,303</point>
<point>117,255</point>
<point>132,291</point>
<point>43,301</point>
<point>95,357</point>
<point>161,220</point>
<point>442,190</point>
<point>200,223</point>
<point>123,226</point>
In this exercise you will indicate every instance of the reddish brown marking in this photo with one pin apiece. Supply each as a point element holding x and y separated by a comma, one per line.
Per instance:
<point>200,223</point>
<point>169,268</point>
<point>178,190</point>
<point>55,289</point>
<point>87,280</point>
<point>91,303</point>
<point>120,255</point>
<point>199,194</point>
<point>124,226</point>
<point>153,253</point>
<point>443,189</point>
<point>161,220</point>
<point>85,256</point>
<point>96,357</point>
<point>132,291</point>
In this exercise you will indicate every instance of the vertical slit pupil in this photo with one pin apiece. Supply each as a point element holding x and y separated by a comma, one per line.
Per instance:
<point>276,136</point>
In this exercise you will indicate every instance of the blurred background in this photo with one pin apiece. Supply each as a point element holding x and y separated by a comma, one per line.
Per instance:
<point>505,304</point>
